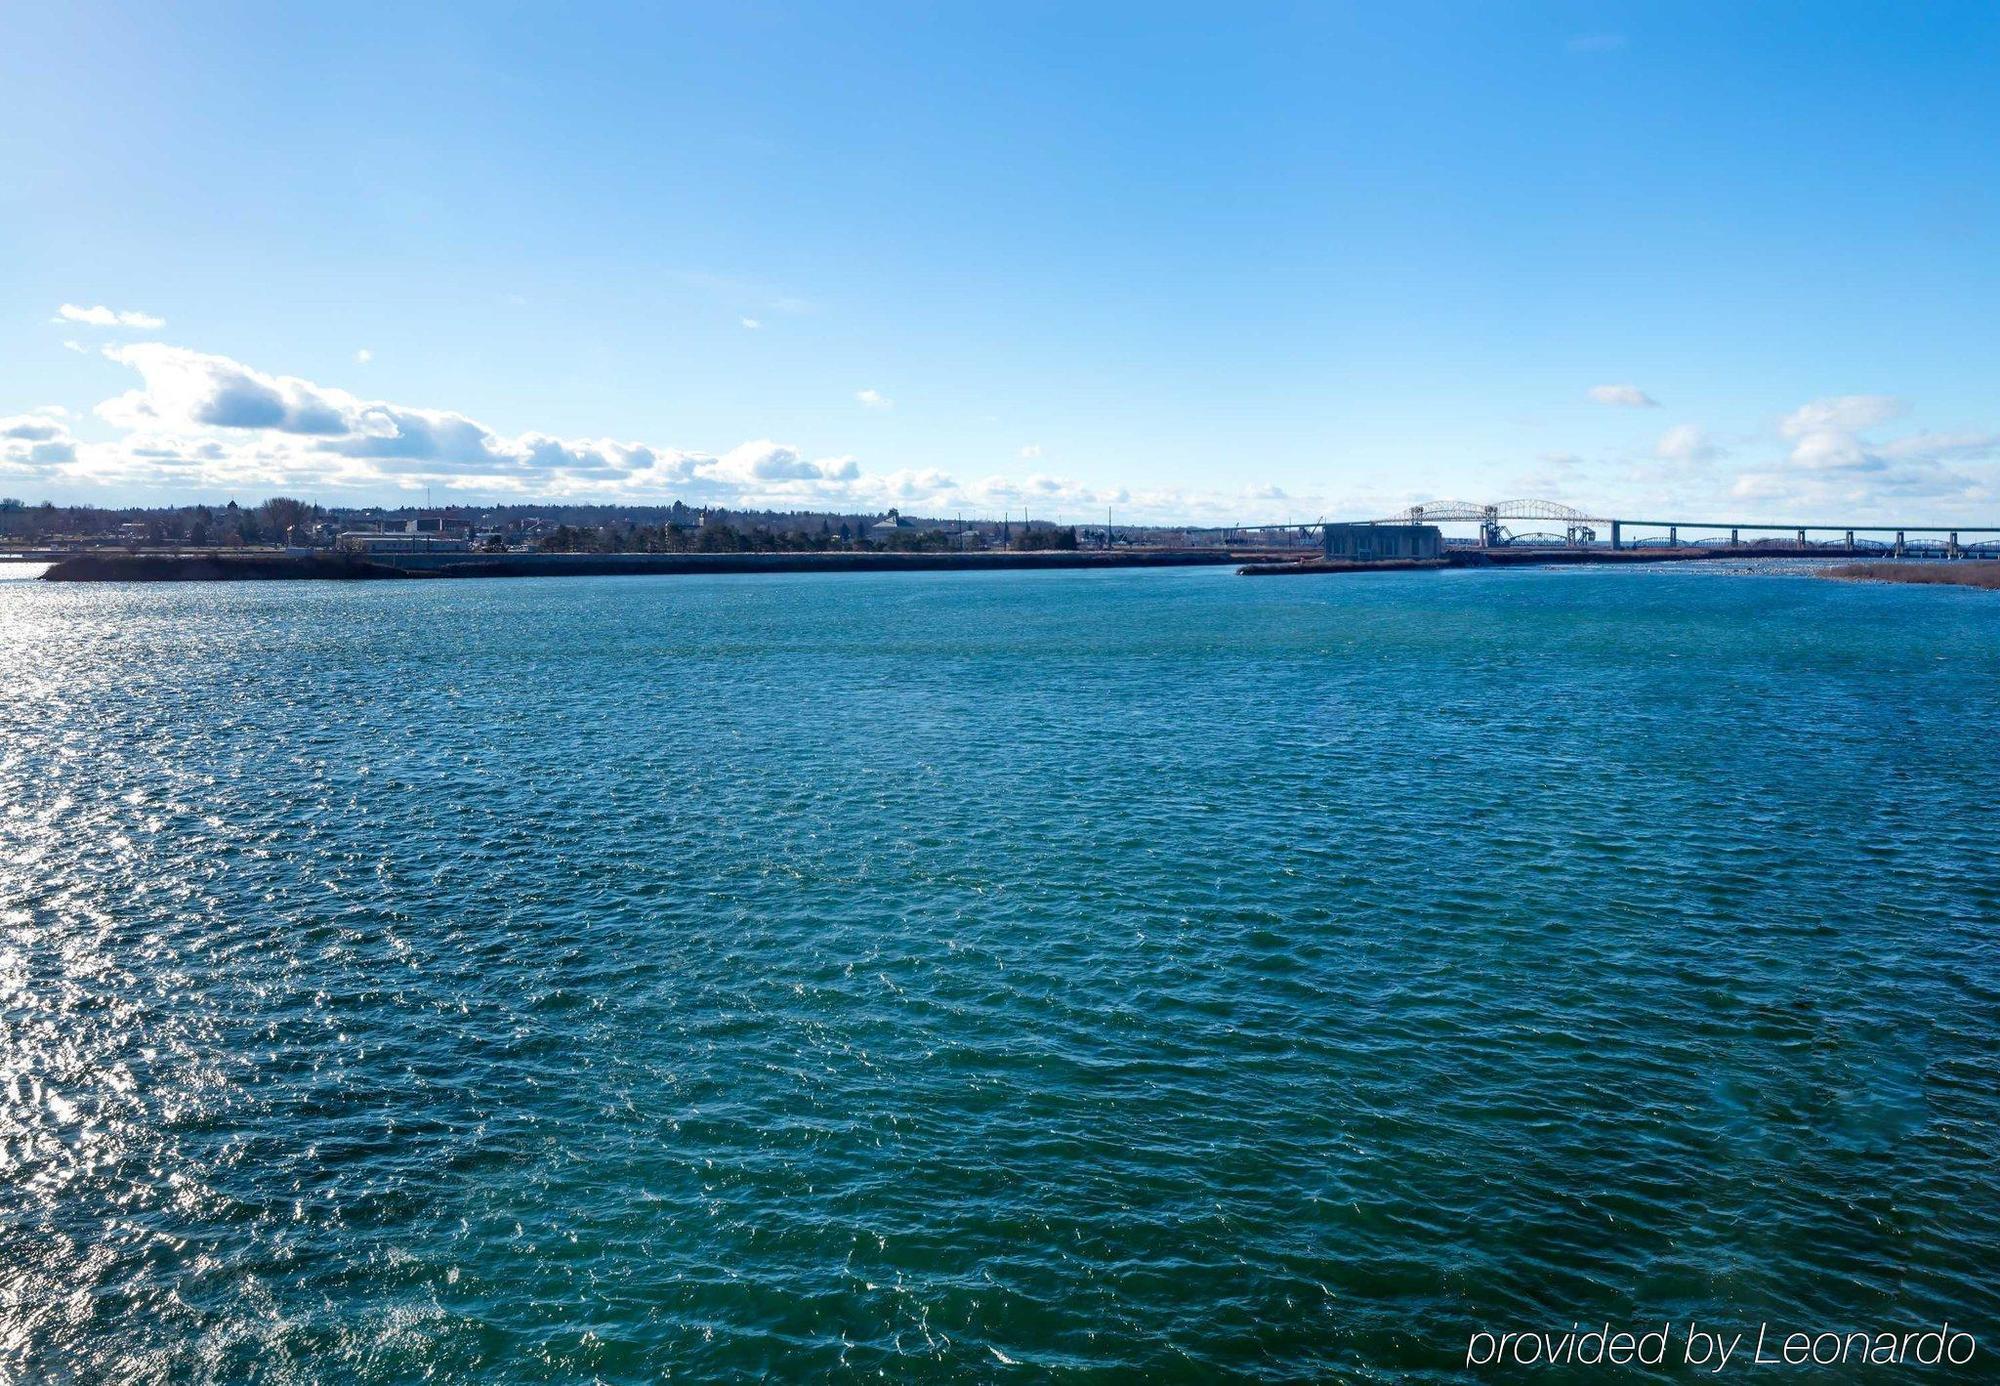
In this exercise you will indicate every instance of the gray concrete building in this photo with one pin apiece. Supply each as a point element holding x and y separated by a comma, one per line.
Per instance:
<point>1363,543</point>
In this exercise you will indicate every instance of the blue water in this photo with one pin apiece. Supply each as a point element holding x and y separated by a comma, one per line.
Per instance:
<point>1105,974</point>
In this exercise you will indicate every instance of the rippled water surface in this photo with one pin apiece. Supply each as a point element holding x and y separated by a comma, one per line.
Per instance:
<point>1108,973</point>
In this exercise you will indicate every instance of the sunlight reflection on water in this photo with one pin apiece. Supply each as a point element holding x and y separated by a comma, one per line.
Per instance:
<point>1146,972</point>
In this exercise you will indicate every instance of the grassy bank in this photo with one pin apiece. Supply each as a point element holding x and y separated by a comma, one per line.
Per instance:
<point>1981,574</point>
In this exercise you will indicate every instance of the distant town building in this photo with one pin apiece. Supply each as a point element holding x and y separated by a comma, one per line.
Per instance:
<point>1367,543</point>
<point>405,524</point>
<point>402,541</point>
<point>891,525</point>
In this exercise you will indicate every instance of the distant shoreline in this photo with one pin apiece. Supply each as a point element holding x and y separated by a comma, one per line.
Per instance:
<point>348,567</point>
<point>1979,573</point>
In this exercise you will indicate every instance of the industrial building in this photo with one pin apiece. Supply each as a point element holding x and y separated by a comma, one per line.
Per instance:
<point>1373,543</point>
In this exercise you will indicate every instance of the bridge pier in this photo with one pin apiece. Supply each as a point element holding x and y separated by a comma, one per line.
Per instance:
<point>1899,543</point>
<point>1951,549</point>
<point>1614,536</point>
<point>1734,542</point>
<point>1673,536</point>
<point>1802,538</point>
<point>1850,541</point>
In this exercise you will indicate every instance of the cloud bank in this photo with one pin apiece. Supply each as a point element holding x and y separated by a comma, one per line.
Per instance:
<point>196,423</point>
<point>1835,462</point>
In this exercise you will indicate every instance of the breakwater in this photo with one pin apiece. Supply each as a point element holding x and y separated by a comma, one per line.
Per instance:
<point>124,567</point>
<point>1340,565</point>
<point>210,567</point>
<point>1542,558</point>
<point>1490,558</point>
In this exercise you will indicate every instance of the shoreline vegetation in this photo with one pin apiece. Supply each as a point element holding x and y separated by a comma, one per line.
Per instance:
<point>1976,573</point>
<point>116,567</point>
<point>340,565</point>
<point>675,528</point>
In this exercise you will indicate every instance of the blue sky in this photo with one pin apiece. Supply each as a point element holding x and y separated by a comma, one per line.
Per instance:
<point>1246,264</point>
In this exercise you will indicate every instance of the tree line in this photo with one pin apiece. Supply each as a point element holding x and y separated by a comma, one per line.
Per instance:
<point>195,526</point>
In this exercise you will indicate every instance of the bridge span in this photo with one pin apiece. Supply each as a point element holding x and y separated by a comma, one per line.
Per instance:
<point>1581,529</point>
<point>1582,526</point>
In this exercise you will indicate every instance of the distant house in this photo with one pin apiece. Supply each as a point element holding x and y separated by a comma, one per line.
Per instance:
<point>891,525</point>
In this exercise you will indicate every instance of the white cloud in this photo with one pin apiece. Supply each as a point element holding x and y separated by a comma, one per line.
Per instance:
<point>1686,443</point>
<point>1843,414</point>
<point>187,388</point>
<point>1031,451</point>
<point>1630,396</point>
<point>752,324</point>
<point>36,427</point>
<point>34,443</point>
<point>765,462</point>
<point>874,399</point>
<point>364,356</point>
<point>100,316</point>
<point>1826,433</point>
<point>1834,463</point>
<point>917,484</point>
<point>1944,447</point>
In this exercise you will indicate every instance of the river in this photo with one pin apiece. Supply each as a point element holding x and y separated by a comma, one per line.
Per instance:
<point>1134,972</point>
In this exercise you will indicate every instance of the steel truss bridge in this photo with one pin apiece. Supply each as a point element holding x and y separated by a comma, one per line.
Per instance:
<point>1581,528</point>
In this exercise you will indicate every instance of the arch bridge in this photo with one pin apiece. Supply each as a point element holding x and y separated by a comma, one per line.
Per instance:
<point>1579,527</point>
